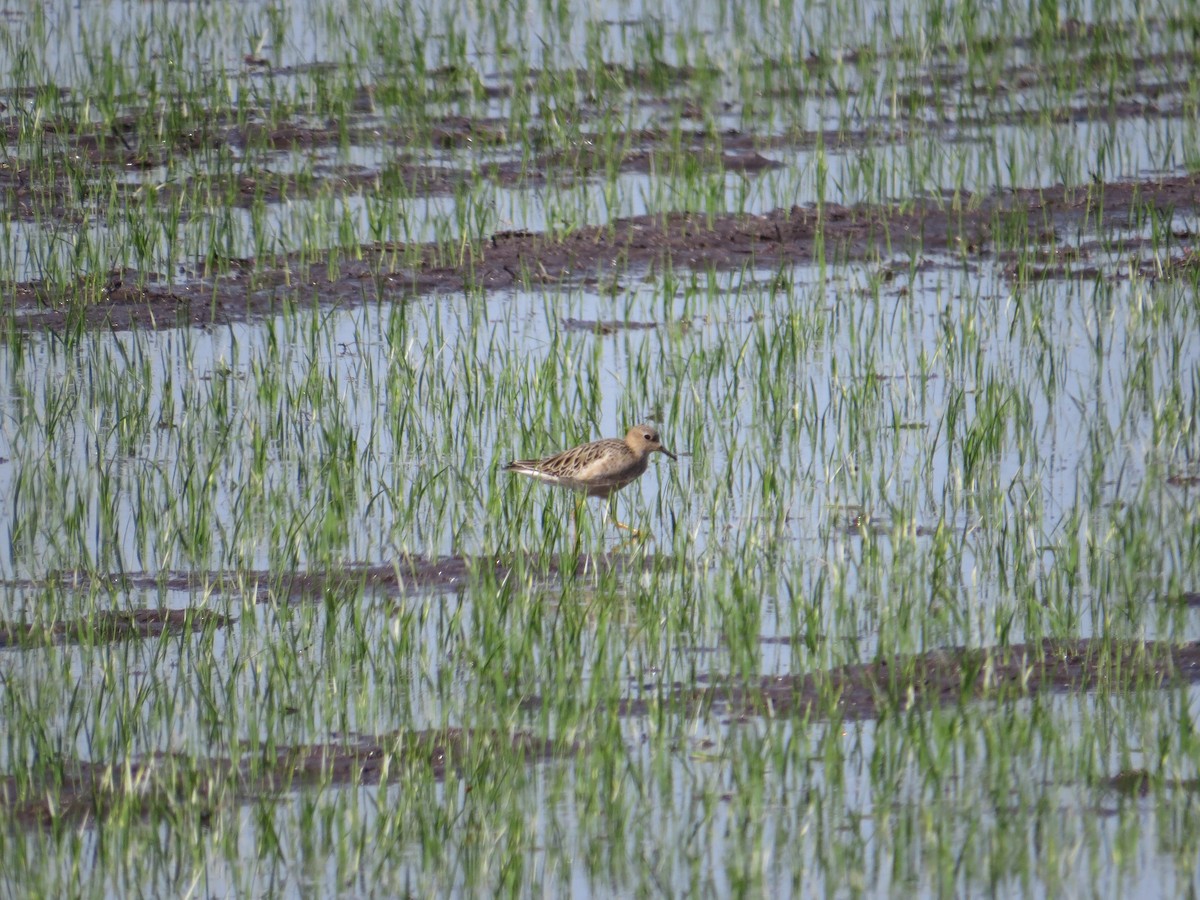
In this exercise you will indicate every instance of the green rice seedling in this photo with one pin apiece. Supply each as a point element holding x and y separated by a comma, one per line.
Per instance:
<point>906,464</point>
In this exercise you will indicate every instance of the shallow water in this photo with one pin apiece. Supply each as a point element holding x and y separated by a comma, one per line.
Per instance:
<point>878,458</point>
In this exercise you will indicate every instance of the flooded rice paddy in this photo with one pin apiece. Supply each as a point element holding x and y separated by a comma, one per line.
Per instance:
<point>912,293</point>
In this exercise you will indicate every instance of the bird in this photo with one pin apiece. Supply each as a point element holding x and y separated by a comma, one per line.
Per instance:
<point>599,468</point>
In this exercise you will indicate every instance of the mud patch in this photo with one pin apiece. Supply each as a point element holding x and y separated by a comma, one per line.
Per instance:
<point>108,626</point>
<point>34,194</point>
<point>413,573</point>
<point>968,228</point>
<point>78,791</point>
<point>610,326</point>
<point>941,678</point>
<point>1140,782</point>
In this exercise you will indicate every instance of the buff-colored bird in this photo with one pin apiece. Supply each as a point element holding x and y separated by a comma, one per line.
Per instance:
<point>598,469</point>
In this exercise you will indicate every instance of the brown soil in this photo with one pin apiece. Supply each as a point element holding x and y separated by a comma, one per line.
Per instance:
<point>111,626</point>
<point>962,228</point>
<point>939,678</point>
<point>34,194</point>
<point>1140,782</point>
<point>609,326</point>
<point>85,792</point>
<point>413,573</point>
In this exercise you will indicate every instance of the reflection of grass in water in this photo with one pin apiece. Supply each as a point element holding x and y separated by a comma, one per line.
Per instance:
<point>1010,441</point>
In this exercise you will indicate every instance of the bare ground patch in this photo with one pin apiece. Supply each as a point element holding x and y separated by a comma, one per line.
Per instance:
<point>967,227</point>
<point>405,574</point>
<point>76,791</point>
<point>111,625</point>
<point>939,678</point>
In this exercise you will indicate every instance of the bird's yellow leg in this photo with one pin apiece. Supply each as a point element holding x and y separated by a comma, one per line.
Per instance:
<point>634,533</point>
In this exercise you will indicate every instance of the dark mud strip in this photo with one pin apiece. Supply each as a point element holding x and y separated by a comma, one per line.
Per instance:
<point>34,195</point>
<point>111,626</point>
<point>421,180</point>
<point>447,573</point>
<point>409,574</point>
<point>940,678</point>
<point>87,792</point>
<point>1142,259</point>
<point>868,233</point>
<point>608,326</point>
<point>1140,782</point>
